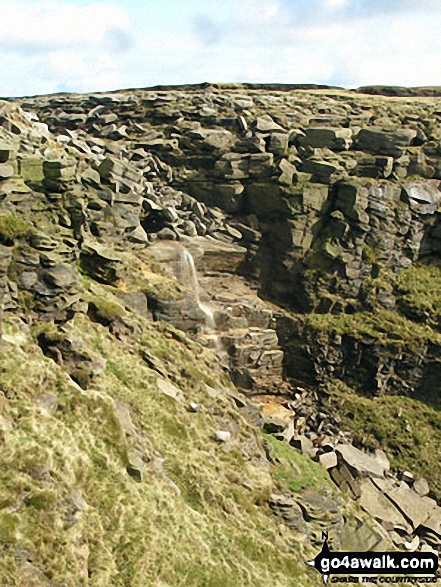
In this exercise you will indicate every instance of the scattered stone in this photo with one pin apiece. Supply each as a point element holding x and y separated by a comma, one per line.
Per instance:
<point>194,408</point>
<point>303,444</point>
<point>169,389</point>
<point>6,171</point>
<point>421,487</point>
<point>407,477</point>
<point>167,234</point>
<point>136,465</point>
<point>413,545</point>
<point>328,460</point>
<point>222,435</point>
<point>360,463</point>
<point>276,418</point>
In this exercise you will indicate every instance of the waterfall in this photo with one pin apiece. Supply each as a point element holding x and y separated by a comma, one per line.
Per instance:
<point>181,261</point>
<point>187,275</point>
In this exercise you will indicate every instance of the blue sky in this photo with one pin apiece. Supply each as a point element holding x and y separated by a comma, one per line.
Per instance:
<point>84,45</point>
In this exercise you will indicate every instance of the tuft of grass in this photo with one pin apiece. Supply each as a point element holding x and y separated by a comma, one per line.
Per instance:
<point>369,254</point>
<point>13,227</point>
<point>419,291</point>
<point>386,326</point>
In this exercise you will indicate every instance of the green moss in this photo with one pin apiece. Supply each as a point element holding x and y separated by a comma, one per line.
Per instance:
<point>419,291</point>
<point>369,254</point>
<point>105,309</point>
<point>13,227</point>
<point>386,326</point>
<point>295,471</point>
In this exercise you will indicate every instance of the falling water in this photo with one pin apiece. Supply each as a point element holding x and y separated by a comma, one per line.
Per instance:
<point>187,275</point>
<point>184,269</point>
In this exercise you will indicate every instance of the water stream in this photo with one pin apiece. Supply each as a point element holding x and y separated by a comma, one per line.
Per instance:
<point>187,275</point>
<point>181,261</point>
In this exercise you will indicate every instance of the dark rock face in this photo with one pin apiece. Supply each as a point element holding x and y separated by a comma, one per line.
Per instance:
<point>323,180</point>
<point>315,355</point>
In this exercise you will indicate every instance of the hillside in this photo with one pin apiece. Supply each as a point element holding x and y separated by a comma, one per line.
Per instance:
<point>221,332</point>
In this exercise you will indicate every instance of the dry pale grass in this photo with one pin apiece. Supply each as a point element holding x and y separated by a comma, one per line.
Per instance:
<point>70,514</point>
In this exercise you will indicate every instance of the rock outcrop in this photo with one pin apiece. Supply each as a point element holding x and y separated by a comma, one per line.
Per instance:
<point>154,241</point>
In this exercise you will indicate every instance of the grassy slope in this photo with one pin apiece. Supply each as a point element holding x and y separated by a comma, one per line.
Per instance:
<point>68,505</point>
<point>407,429</point>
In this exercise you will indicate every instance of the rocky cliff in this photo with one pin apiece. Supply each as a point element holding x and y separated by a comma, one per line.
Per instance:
<point>312,216</point>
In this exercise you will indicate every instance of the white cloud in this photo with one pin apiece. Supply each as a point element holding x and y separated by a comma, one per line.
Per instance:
<point>392,50</point>
<point>333,44</point>
<point>55,45</point>
<point>52,24</point>
<point>50,46</point>
<point>332,4</point>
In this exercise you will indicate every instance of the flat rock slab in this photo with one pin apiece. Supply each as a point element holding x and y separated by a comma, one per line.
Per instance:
<point>169,389</point>
<point>360,463</point>
<point>377,505</point>
<point>328,460</point>
<point>361,536</point>
<point>433,524</point>
<point>274,412</point>
<point>418,510</point>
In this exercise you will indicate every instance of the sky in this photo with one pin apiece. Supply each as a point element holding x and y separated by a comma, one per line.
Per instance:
<point>49,46</point>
